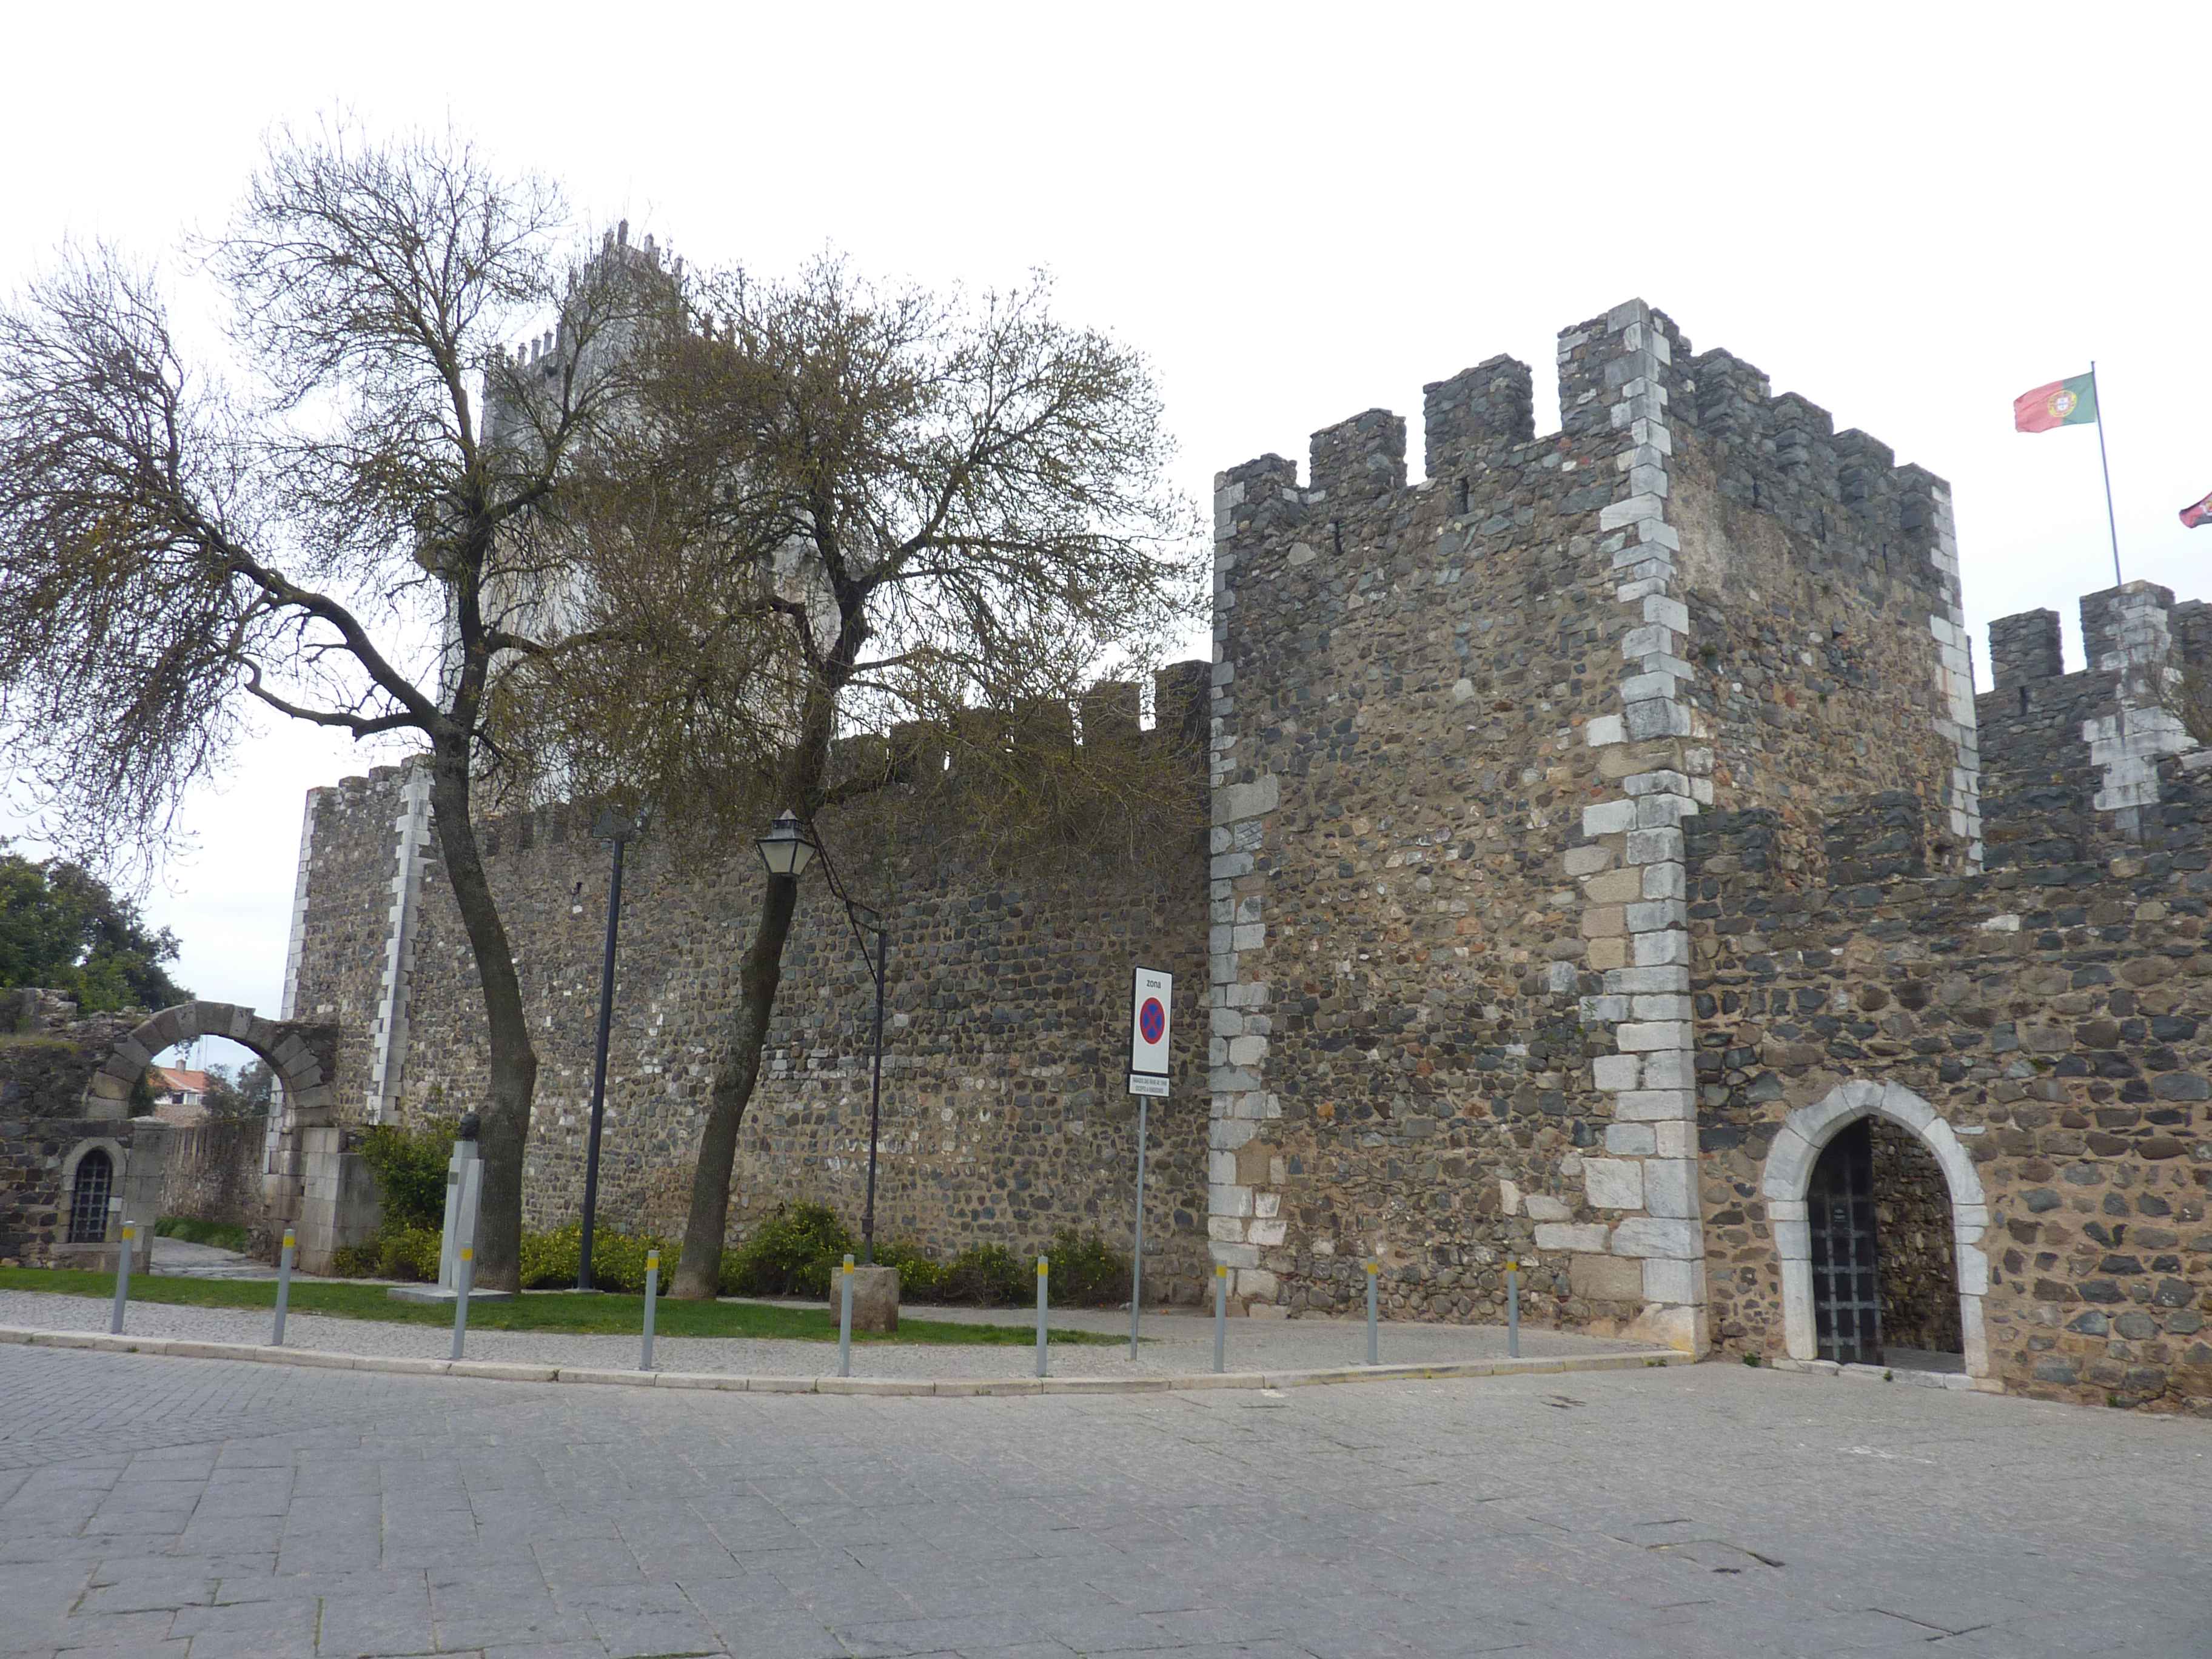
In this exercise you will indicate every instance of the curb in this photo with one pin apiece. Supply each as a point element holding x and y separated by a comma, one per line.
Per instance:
<point>1955,1382</point>
<point>937,1388</point>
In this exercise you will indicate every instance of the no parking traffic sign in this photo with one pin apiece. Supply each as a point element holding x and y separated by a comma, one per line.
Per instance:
<point>1152,1019</point>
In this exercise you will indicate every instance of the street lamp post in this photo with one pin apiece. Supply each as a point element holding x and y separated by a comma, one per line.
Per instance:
<point>787,849</point>
<point>615,827</point>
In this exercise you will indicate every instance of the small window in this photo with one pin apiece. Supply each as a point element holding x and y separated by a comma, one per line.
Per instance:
<point>95,1179</point>
<point>2023,699</point>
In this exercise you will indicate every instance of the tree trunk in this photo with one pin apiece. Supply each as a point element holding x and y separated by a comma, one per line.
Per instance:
<point>505,1115</point>
<point>699,1274</point>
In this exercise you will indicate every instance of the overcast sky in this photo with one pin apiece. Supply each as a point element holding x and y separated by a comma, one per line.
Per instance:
<point>1909,214</point>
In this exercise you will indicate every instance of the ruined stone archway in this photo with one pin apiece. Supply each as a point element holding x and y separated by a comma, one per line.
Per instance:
<point>302,1056</point>
<point>1788,1175</point>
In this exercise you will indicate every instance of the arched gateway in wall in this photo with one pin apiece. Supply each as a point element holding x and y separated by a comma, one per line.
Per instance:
<point>298,1054</point>
<point>1788,1180</point>
<point>302,1142</point>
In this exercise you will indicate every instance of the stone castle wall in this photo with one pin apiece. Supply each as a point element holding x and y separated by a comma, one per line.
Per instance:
<point>1598,824</point>
<point>2051,1015</point>
<point>1006,1117</point>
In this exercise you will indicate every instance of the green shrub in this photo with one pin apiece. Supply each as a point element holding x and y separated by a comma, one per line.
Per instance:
<point>987,1275</point>
<point>549,1260</point>
<point>1088,1272</point>
<point>409,1253</point>
<point>618,1262</point>
<point>921,1278</point>
<point>409,1167</point>
<point>790,1254</point>
<point>355,1260</point>
<point>729,1278</point>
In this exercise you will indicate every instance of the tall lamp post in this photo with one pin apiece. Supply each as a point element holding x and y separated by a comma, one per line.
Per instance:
<point>787,849</point>
<point>620,829</point>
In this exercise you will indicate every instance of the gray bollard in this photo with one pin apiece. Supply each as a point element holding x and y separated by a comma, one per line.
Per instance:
<point>283,1288</point>
<point>1512,1310</point>
<point>1221,1315</point>
<point>1044,1272</point>
<point>845,1319</point>
<point>1373,1269</point>
<point>122,1279</point>
<point>468,1271</point>
<point>652,1306</point>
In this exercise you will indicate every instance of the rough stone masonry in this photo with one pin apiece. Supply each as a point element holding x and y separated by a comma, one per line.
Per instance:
<point>1600,825</point>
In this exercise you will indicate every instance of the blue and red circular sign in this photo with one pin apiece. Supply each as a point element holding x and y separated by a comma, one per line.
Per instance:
<point>1153,1019</point>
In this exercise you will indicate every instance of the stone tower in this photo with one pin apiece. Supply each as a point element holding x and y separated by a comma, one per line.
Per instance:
<point>1458,725</point>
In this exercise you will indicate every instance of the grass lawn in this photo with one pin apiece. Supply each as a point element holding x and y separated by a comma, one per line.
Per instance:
<point>535,1310</point>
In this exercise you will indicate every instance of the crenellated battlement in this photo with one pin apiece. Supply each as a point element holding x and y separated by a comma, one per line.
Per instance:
<point>1845,492</point>
<point>1466,419</point>
<point>1361,458</point>
<point>1783,455</point>
<point>538,363</point>
<point>2106,725</point>
<point>1107,719</point>
<point>2136,625</point>
<point>1603,384</point>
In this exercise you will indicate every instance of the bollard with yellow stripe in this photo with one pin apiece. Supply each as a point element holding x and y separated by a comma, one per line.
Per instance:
<point>1374,1269</point>
<point>122,1278</point>
<point>465,1273</point>
<point>284,1257</point>
<point>1044,1272</point>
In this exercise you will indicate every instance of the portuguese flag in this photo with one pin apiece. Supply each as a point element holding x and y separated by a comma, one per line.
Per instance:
<point>2200,514</point>
<point>2063,403</point>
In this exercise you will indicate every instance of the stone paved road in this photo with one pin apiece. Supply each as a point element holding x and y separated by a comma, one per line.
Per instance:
<point>213,1511</point>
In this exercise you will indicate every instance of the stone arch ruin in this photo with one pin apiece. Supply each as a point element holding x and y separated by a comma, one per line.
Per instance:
<point>302,1055</point>
<point>307,1179</point>
<point>1788,1178</point>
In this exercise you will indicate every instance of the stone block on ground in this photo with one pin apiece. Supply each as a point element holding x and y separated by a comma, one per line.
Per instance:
<point>875,1298</point>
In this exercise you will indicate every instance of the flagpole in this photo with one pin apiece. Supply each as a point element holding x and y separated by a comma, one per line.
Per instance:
<point>2111,523</point>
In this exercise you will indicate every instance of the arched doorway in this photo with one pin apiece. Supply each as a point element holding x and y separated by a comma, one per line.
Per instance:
<point>1885,1282</point>
<point>1868,1149</point>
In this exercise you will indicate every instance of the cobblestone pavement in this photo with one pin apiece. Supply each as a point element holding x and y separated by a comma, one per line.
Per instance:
<point>1173,1342</point>
<point>185,1259</point>
<point>207,1509</point>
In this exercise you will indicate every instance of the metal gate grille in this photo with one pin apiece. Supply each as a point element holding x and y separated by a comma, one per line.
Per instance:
<point>1846,1279</point>
<point>96,1175</point>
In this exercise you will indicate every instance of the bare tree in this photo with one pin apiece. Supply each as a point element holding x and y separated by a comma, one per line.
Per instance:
<point>2184,689</point>
<point>837,511</point>
<point>333,540</point>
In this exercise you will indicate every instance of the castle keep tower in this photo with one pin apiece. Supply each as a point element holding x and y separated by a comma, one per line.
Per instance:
<point>1458,729</point>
